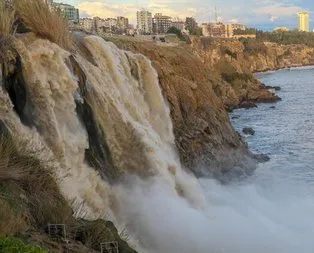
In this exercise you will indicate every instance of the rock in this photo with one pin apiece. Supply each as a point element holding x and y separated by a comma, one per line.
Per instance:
<point>247,105</point>
<point>248,131</point>
<point>276,88</point>
<point>235,117</point>
<point>272,107</point>
<point>261,158</point>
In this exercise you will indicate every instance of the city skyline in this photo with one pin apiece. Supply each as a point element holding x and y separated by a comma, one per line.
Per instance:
<point>263,14</point>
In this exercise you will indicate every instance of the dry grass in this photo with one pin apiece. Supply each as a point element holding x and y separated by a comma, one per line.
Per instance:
<point>47,24</point>
<point>6,20</point>
<point>34,180</point>
<point>6,26</point>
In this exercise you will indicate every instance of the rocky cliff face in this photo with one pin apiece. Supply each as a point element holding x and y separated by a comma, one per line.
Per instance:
<point>235,62</point>
<point>252,56</point>
<point>204,135</point>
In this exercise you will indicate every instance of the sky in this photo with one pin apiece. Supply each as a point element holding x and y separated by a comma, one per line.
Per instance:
<point>262,14</point>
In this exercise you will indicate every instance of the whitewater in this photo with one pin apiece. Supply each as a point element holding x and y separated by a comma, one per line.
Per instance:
<point>163,207</point>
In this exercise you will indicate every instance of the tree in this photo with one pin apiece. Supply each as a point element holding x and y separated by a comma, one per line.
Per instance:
<point>174,30</point>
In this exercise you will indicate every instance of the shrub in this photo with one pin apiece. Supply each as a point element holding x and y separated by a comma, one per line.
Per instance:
<point>254,47</point>
<point>232,77</point>
<point>287,37</point>
<point>174,30</point>
<point>14,245</point>
<point>47,24</point>
<point>227,51</point>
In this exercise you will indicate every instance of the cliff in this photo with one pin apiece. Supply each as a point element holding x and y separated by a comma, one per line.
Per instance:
<point>235,61</point>
<point>204,134</point>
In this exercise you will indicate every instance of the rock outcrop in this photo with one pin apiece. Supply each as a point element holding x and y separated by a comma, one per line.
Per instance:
<point>235,61</point>
<point>207,142</point>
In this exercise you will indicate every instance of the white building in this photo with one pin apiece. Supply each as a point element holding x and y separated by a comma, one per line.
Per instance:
<point>87,24</point>
<point>161,23</point>
<point>144,22</point>
<point>304,21</point>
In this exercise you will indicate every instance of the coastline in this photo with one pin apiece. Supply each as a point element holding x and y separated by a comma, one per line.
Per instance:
<point>294,66</point>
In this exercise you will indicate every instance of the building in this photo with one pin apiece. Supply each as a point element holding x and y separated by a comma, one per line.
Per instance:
<point>144,22</point>
<point>178,24</point>
<point>161,24</point>
<point>230,28</point>
<point>205,29</point>
<point>217,30</point>
<point>87,24</point>
<point>122,24</point>
<point>281,29</point>
<point>69,12</point>
<point>304,21</point>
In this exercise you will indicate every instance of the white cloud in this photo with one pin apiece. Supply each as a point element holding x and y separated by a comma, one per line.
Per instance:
<point>273,18</point>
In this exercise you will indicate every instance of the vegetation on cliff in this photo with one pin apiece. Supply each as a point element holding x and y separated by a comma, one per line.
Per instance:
<point>287,37</point>
<point>30,197</point>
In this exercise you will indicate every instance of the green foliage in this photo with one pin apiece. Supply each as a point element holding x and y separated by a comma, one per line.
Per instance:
<point>253,47</point>
<point>232,77</point>
<point>174,30</point>
<point>225,50</point>
<point>249,31</point>
<point>14,245</point>
<point>287,38</point>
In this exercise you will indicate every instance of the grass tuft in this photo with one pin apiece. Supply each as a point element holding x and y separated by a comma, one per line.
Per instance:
<point>14,245</point>
<point>7,17</point>
<point>45,23</point>
<point>32,180</point>
<point>6,20</point>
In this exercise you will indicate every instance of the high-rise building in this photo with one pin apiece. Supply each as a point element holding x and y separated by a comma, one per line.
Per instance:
<point>144,22</point>
<point>304,21</point>
<point>161,23</point>
<point>122,24</point>
<point>69,12</point>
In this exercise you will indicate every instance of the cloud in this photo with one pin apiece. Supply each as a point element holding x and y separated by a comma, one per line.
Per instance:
<point>273,18</point>
<point>108,9</point>
<point>260,13</point>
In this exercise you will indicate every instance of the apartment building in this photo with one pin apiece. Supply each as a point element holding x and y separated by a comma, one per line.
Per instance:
<point>230,28</point>
<point>304,21</point>
<point>178,24</point>
<point>122,24</point>
<point>69,12</point>
<point>144,22</point>
<point>161,23</point>
<point>87,24</point>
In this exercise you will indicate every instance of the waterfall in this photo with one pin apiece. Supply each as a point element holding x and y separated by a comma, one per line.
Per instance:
<point>78,107</point>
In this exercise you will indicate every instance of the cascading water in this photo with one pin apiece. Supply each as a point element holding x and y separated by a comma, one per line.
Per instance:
<point>159,204</point>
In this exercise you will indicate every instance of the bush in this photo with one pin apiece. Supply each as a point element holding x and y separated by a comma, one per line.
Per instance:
<point>47,24</point>
<point>287,38</point>
<point>231,78</point>
<point>14,245</point>
<point>227,51</point>
<point>253,47</point>
<point>174,30</point>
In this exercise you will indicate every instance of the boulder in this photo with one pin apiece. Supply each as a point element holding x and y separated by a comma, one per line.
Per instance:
<point>248,131</point>
<point>261,158</point>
